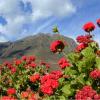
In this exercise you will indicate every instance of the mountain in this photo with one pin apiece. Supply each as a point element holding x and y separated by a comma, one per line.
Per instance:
<point>37,45</point>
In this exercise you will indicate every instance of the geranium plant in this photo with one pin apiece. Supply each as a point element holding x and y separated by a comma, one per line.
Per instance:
<point>78,77</point>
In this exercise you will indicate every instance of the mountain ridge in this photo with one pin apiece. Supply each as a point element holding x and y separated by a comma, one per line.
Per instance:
<point>37,45</point>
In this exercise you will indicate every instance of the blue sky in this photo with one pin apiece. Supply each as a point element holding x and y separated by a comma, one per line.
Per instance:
<point>21,18</point>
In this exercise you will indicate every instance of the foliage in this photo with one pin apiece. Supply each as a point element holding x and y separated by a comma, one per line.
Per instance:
<point>79,77</point>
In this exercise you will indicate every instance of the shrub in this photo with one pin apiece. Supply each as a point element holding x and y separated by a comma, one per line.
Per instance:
<point>79,77</point>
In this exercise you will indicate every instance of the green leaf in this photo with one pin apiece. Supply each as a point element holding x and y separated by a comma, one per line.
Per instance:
<point>55,29</point>
<point>74,57</point>
<point>98,62</point>
<point>62,98</point>
<point>69,71</point>
<point>88,52</point>
<point>89,81</point>
<point>66,89</point>
<point>81,65</point>
<point>17,86</point>
<point>94,45</point>
<point>81,79</point>
<point>88,60</point>
<point>47,98</point>
<point>61,80</point>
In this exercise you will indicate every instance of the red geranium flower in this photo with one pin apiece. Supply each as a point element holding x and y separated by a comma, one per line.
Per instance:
<point>32,65</point>
<point>63,63</point>
<point>57,46</point>
<point>24,58</point>
<point>31,96</point>
<point>95,74</point>
<point>28,94</point>
<point>18,62</point>
<point>47,65</point>
<point>97,97</point>
<point>28,61</point>
<point>24,94</point>
<point>43,63</point>
<point>11,91</point>
<point>7,98</point>
<point>98,22</point>
<point>45,78</point>
<point>32,58</point>
<point>88,27</point>
<point>56,74</point>
<point>8,64</point>
<point>47,90</point>
<point>49,83</point>
<point>86,93</point>
<point>34,77</point>
<point>80,47</point>
<point>84,39</point>
<point>13,70</point>
<point>54,84</point>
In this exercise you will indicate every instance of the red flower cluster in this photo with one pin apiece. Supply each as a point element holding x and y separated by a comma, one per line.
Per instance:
<point>47,65</point>
<point>30,58</point>
<point>13,70</point>
<point>24,94</point>
<point>49,84</point>
<point>88,27</point>
<point>57,46</point>
<point>84,39</point>
<point>95,74</point>
<point>34,77</point>
<point>10,66</point>
<point>18,62</point>
<point>28,95</point>
<point>11,91</point>
<point>87,93</point>
<point>56,74</point>
<point>28,61</point>
<point>63,63</point>
<point>7,98</point>
<point>32,64</point>
<point>24,58</point>
<point>98,22</point>
<point>80,47</point>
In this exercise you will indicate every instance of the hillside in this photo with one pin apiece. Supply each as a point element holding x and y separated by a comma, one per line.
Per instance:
<point>37,45</point>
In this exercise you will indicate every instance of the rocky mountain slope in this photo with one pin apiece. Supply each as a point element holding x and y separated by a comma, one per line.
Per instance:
<point>37,45</point>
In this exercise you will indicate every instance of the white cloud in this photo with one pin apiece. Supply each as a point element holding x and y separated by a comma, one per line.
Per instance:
<point>46,24</point>
<point>46,8</point>
<point>9,8</point>
<point>3,39</point>
<point>41,9</point>
<point>97,39</point>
